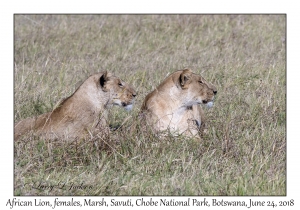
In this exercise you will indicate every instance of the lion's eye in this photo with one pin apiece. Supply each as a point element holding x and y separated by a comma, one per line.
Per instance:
<point>120,85</point>
<point>200,82</point>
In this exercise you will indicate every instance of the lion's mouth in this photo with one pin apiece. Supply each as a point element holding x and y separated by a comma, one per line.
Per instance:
<point>127,106</point>
<point>209,104</point>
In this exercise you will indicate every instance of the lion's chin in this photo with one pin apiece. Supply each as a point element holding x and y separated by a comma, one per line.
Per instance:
<point>128,107</point>
<point>210,104</point>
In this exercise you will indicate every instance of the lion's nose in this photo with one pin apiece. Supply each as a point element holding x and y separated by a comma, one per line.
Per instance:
<point>215,92</point>
<point>134,94</point>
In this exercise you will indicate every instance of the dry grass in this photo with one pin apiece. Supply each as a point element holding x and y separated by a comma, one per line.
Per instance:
<point>244,151</point>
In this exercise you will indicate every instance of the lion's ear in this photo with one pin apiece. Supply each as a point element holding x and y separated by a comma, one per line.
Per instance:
<point>184,77</point>
<point>103,79</point>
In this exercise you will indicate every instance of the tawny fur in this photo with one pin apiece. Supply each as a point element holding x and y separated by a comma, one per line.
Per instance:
<point>174,104</point>
<point>84,111</point>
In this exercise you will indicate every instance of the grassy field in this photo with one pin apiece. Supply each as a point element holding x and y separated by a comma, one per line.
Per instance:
<point>244,150</point>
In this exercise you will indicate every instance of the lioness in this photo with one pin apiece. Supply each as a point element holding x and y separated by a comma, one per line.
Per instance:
<point>83,111</point>
<point>174,104</point>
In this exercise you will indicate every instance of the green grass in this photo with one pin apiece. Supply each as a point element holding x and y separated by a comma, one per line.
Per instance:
<point>244,151</point>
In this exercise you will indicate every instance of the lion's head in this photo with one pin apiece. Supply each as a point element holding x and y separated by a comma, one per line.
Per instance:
<point>195,89</point>
<point>121,93</point>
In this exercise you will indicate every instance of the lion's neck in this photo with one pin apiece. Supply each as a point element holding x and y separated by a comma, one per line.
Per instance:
<point>95,99</point>
<point>81,103</point>
<point>173,100</point>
